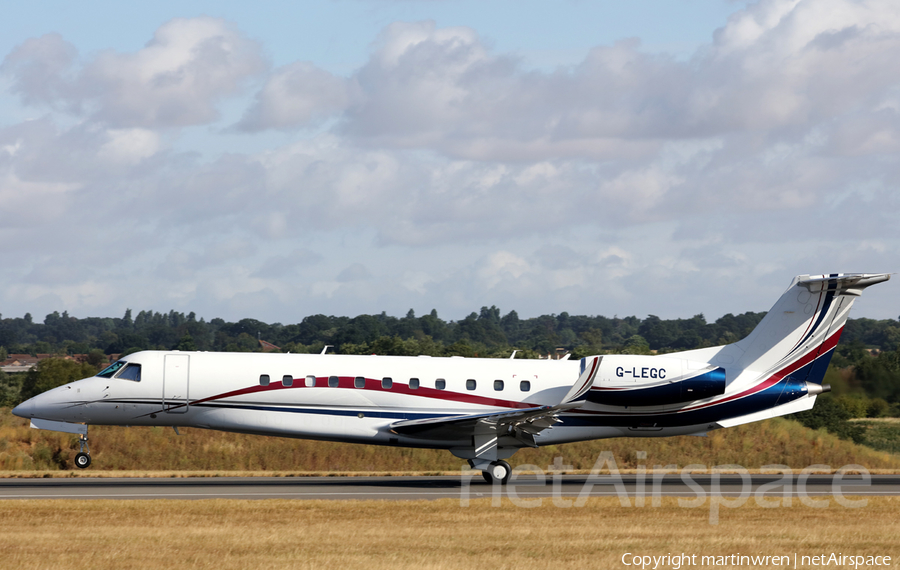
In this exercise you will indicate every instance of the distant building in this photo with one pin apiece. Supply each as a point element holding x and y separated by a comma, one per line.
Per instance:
<point>25,362</point>
<point>20,362</point>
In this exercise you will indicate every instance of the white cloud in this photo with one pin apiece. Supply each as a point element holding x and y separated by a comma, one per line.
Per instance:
<point>41,68</point>
<point>297,95</point>
<point>355,272</point>
<point>443,173</point>
<point>174,81</point>
<point>129,145</point>
<point>25,202</point>
<point>285,266</point>
<point>501,266</point>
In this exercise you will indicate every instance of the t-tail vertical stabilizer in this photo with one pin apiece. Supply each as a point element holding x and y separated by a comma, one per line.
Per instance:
<point>789,350</point>
<point>802,329</point>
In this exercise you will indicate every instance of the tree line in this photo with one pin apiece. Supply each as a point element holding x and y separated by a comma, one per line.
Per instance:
<point>865,370</point>
<point>486,333</point>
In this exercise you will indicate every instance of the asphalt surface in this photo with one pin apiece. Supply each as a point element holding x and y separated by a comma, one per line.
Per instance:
<point>526,487</point>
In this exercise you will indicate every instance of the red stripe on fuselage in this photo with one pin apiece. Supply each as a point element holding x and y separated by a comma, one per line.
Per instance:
<point>347,382</point>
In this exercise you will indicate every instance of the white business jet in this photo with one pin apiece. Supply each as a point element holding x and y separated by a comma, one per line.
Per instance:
<point>481,410</point>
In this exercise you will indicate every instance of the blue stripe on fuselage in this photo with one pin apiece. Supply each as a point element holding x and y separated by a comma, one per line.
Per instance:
<point>782,392</point>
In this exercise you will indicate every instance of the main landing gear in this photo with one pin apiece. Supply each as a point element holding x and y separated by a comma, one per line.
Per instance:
<point>82,458</point>
<point>497,472</point>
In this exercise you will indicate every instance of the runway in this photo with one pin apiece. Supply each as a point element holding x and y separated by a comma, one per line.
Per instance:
<point>452,487</point>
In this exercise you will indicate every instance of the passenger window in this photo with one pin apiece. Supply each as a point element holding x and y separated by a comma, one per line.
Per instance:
<point>332,381</point>
<point>310,381</point>
<point>359,382</point>
<point>470,384</point>
<point>287,380</point>
<point>386,383</point>
<point>131,372</point>
<point>413,383</point>
<point>525,386</point>
<point>498,385</point>
<point>263,379</point>
<point>440,383</point>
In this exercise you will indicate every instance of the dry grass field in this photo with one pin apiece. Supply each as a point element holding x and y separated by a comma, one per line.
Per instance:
<point>272,534</point>
<point>121,450</point>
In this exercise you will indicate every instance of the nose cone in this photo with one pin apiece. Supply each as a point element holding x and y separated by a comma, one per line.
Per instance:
<point>56,404</point>
<point>25,409</point>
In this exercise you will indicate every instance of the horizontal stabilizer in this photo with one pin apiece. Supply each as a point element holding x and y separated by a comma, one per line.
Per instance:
<point>843,284</point>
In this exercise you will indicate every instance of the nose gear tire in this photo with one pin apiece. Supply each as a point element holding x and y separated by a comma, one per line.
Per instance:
<point>82,460</point>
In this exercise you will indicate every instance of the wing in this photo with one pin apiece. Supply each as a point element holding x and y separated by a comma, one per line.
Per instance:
<point>521,424</point>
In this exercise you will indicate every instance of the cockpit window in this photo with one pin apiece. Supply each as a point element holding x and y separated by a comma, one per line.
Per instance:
<point>111,369</point>
<point>130,372</point>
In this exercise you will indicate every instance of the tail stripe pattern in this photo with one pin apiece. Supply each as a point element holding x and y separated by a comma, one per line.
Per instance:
<point>829,297</point>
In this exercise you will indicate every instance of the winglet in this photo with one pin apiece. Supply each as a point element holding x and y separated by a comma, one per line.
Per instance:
<point>589,368</point>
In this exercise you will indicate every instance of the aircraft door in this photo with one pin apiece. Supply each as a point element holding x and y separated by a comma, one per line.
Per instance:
<point>175,383</point>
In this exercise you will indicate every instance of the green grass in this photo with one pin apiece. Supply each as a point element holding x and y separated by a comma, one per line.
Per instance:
<point>882,434</point>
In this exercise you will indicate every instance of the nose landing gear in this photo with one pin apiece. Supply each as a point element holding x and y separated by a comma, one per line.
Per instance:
<point>82,458</point>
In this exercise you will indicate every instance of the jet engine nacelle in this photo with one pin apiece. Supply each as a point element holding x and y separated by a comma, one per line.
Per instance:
<point>634,380</point>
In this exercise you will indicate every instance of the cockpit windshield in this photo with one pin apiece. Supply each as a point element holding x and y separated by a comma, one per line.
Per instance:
<point>111,369</point>
<point>123,370</point>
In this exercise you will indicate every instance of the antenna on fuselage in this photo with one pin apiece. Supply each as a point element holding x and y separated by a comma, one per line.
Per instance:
<point>513,355</point>
<point>327,346</point>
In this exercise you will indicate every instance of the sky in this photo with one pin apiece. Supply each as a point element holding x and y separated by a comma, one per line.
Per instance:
<point>283,159</point>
